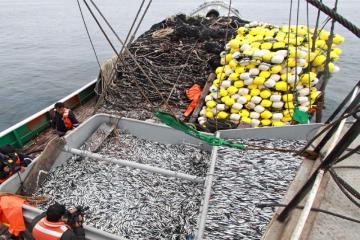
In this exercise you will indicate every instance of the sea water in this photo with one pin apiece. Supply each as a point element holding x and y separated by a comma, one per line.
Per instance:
<point>45,53</point>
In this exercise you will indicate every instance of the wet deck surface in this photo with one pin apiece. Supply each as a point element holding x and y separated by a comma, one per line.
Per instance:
<point>330,227</point>
<point>36,145</point>
<point>320,226</point>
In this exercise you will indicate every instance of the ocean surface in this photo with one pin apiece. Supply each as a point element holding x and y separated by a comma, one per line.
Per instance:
<point>45,53</point>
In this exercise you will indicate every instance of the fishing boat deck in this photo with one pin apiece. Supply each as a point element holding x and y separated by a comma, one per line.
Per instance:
<point>37,144</point>
<point>329,197</point>
<point>329,227</point>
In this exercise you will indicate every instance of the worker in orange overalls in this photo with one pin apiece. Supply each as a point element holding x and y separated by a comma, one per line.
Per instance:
<point>64,119</point>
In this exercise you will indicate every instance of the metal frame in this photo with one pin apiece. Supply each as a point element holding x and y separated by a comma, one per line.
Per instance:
<point>298,132</point>
<point>347,99</point>
<point>353,98</point>
<point>208,185</point>
<point>325,165</point>
<point>136,165</point>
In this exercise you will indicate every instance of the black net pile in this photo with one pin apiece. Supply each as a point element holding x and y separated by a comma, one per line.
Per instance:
<point>175,53</point>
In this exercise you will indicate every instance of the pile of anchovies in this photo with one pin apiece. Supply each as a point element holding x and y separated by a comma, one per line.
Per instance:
<point>132,203</point>
<point>244,179</point>
<point>136,204</point>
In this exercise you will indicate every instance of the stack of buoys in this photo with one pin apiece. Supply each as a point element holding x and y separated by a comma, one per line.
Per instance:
<point>266,71</point>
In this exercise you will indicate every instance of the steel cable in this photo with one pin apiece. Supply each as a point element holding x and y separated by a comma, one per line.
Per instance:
<point>340,19</point>
<point>126,49</point>
<point>263,205</point>
<point>88,34</point>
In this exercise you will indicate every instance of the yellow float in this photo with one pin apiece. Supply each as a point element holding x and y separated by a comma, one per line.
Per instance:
<point>264,75</point>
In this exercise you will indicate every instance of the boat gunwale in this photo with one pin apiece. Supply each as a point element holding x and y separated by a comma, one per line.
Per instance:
<point>45,110</point>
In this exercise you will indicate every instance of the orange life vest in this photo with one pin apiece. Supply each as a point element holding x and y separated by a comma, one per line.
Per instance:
<point>18,161</point>
<point>67,120</point>
<point>45,230</point>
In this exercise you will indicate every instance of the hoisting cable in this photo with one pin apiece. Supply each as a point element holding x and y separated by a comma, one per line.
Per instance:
<point>334,15</point>
<point>315,30</point>
<point>91,43</point>
<point>114,68</point>
<point>127,50</point>
<point>263,205</point>
<point>309,46</point>
<point>326,75</point>
<point>104,33</point>
<point>327,127</point>
<point>351,152</point>
<point>126,42</point>
<point>288,50</point>
<point>88,34</point>
<point>346,188</point>
<point>344,191</point>
<point>101,28</point>
<point>299,116</point>
<point>139,24</point>
<point>132,26</point>
<point>346,185</point>
<point>223,72</point>
<point>181,71</point>
<point>127,36</point>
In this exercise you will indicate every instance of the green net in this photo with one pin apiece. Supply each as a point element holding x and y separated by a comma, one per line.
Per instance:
<point>175,123</point>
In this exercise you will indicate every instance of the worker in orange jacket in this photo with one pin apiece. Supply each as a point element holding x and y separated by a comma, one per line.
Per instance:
<point>51,225</point>
<point>64,119</point>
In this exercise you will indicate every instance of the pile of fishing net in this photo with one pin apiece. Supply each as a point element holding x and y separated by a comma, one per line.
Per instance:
<point>175,54</point>
<point>269,76</point>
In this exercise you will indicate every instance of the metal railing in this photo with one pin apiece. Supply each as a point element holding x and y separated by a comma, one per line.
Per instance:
<point>336,149</point>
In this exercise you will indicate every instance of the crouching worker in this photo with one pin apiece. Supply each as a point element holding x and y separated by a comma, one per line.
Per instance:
<point>64,119</point>
<point>57,223</point>
<point>11,162</point>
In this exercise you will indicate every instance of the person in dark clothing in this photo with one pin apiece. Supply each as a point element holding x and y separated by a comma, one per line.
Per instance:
<point>21,159</point>
<point>50,225</point>
<point>64,119</point>
<point>7,167</point>
<point>11,161</point>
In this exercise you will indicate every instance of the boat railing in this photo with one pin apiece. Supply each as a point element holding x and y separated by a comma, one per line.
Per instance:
<point>22,132</point>
<point>332,143</point>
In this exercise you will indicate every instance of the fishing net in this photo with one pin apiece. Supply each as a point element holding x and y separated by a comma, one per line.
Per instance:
<point>175,53</point>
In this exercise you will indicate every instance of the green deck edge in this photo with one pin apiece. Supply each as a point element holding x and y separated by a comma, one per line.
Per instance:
<point>25,133</point>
